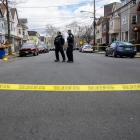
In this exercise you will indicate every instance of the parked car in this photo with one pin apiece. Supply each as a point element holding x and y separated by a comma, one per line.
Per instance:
<point>80,49</point>
<point>52,49</point>
<point>77,48</point>
<point>28,49</point>
<point>87,48</point>
<point>119,48</point>
<point>43,48</point>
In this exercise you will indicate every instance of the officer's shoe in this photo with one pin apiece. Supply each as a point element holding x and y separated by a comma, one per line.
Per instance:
<point>69,61</point>
<point>56,60</point>
<point>63,61</point>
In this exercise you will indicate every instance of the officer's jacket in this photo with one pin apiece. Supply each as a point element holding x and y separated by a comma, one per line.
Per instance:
<point>70,40</point>
<point>59,41</point>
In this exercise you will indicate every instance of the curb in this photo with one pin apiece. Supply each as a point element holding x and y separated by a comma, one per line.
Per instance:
<point>136,56</point>
<point>100,52</point>
<point>9,57</point>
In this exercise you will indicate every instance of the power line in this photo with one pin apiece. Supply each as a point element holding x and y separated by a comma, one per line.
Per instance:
<point>52,18</point>
<point>69,4</point>
<point>45,26</point>
<point>55,23</point>
<point>94,21</point>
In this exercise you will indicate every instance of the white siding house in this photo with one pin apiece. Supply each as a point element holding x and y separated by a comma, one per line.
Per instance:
<point>2,28</point>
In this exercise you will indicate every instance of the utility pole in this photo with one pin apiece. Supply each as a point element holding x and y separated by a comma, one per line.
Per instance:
<point>94,24</point>
<point>5,2</point>
<point>8,20</point>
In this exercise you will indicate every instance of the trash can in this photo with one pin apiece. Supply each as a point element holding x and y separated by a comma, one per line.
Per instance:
<point>2,53</point>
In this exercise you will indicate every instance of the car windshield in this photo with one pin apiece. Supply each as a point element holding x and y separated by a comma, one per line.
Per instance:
<point>87,47</point>
<point>28,46</point>
<point>125,44</point>
<point>45,46</point>
<point>40,46</point>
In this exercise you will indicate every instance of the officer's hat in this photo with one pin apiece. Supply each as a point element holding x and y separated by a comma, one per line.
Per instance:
<point>59,32</point>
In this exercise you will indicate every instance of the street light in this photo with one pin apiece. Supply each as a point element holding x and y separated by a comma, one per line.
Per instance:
<point>86,11</point>
<point>94,24</point>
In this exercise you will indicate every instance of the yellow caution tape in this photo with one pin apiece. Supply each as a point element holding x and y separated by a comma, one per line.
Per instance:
<point>71,88</point>
<point>5,59</point>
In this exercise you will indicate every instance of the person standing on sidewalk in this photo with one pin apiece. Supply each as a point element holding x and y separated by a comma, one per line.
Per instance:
<point>70,41</point>
<point>59,43</point>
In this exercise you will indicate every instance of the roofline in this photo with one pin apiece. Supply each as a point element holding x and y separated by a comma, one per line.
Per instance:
<point>111,3</point>
<point>16,13</point>
<point>121,7</point>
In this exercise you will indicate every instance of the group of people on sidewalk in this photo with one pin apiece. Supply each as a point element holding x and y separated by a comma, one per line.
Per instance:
<point>59,42</point>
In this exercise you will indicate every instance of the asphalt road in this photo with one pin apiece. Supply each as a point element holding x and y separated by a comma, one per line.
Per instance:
<point>70,116</point>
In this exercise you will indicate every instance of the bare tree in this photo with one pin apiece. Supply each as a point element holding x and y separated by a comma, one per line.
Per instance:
<point>84,33</point>
<point>51,32</point>
<point>74,27</point>
<point>8,4</point>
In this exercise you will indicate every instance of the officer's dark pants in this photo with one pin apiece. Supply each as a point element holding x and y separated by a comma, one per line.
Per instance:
<point>70,53</point>
<point>61,50</point>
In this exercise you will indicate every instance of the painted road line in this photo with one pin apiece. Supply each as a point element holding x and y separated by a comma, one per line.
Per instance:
<point>70,88</point>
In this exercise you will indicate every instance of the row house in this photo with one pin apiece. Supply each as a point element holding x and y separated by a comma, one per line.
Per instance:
<point>16,32</point>
<point>105,22</point>
<point>2,30</point>
<point>4,12</point>
<point>34,37</point>
<point>17,28</point>
<point>102,27</point>
<point>130,21</point>
<point>99,31</point>
<point>121,21</point>
<point>114,23</point>
<point>23,22</point>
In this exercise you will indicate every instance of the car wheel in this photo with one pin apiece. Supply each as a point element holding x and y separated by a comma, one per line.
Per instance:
<point>132,56</point>
<point>20,55</point>
<point>121,56</point>
<point>35,54</point>
<point>114,54</point>
<point>106,54</point>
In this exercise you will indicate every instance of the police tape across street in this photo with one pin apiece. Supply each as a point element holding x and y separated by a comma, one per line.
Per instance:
<point>70,88</point>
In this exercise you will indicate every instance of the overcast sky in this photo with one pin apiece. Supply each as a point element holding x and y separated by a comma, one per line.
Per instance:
<point>59,12</point>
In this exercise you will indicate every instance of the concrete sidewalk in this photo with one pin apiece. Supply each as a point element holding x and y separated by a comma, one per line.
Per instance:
<point>9,57</point>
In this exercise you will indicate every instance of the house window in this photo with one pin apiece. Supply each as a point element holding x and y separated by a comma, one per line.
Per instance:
<point>2,25</point>
<point>111,24</point>
<point>124,20</point>
<point>134,1</point>
<point>104,28</point>
<point>134,19</point>
<point>124,2</point>
<point>11,27</point>
<point>19,31</point>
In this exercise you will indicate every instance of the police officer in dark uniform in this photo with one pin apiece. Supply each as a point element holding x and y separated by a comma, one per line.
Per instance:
<point>59,43</point>
<point>70,41</point>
